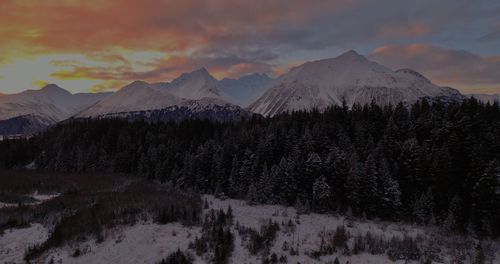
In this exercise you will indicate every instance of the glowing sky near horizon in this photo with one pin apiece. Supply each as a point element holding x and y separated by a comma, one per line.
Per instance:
<point>101,45</point>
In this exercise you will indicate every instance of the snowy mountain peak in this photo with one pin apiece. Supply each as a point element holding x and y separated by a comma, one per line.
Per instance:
<point>196,85</point>
<point>202,71</point>
<point>53,89</point>
<point>201,74</point>
<point>136,96</point>
<point>44,106</point>
<point>351,54</point>
<point>136,85</point>
<point>350,77</point>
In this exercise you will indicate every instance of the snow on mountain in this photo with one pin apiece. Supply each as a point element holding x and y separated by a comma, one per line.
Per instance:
<point>349,77</point>
<point>23,125</point>
<point>137,96</point>
<point>190,95</point>
<point>51,103</point>
<point>246,89</point>
<point>486,98</point>
<point>196,85</point>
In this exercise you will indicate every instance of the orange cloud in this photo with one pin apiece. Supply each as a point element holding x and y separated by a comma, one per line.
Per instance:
<point>167,25</point>
<point>229,37</point>
<point>107,86</point>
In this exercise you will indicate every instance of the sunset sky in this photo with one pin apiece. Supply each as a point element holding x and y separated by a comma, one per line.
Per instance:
<point>101,45</point>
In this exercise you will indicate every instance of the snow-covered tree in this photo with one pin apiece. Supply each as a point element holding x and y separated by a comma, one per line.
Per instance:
<point>321,193</point>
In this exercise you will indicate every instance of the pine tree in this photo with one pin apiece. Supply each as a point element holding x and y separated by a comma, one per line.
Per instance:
<point>313,169</point>
<point>486,200</point>
<point>423,207</point>
<point>265,187</point>
<point>321,193</point>
<point>284,174</point>
<point>353,187</point>
<point>390,200</point>
<point>369,194</point>
<point>453,219</point>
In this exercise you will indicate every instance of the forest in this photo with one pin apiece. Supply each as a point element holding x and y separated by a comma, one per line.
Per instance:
<point>431,163</point>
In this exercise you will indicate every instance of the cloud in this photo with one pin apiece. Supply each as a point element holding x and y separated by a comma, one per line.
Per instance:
<point>108,85</point>
<point>443,66</point>
<point>118,70</point>
<point>119,38</point>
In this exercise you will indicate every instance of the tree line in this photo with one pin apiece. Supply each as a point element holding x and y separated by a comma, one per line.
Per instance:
<point>431,162</point>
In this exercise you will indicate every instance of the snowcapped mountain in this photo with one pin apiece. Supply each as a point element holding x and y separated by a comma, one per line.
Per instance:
<point>44,107</point>
<point>349,77</point>
<point>51,102</point>
<point>196,85</point>
<point>246,89</point>
<point>194,94</point>
<point>137,96</point>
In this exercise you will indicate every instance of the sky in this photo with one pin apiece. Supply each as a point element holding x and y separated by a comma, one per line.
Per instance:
<point>101,45</point>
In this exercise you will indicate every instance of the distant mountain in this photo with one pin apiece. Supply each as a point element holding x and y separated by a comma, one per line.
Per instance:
<point>246,89</point>
<point>194,94</point>
<point>41,108</point>
<point>196,85</point>
<point>23,125</point>
<point>486,98</point>
<point>191,109</point>
<point>349,77</point>
<point>137,96</point>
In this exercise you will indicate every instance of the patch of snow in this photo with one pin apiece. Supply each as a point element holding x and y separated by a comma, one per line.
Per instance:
<point>142,243</point>
<point>50,103</point>
<point>40,198</point>
<point>349,77</point>
<point>149,243</point>
<point>13,243</point>
<point>308,228</point>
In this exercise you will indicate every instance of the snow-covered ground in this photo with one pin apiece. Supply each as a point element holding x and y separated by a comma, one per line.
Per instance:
<point>308,228</point>
<point>13,243</point>
<point>39,198</point>
<point>149,243</point>
<point>142,243</point>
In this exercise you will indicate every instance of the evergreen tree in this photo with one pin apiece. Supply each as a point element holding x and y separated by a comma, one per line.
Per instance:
<point>321,193</point>
<point>486,200</point>
<point>423,207</point>
<point>390,193</point>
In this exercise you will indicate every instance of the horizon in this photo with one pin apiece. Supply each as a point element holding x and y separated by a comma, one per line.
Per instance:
<point>218,79</point>
<point>79,46</point>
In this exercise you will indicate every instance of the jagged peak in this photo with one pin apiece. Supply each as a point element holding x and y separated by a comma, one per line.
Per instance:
<point>351,54</point>
<point>199,73</point>
<point>201,70</point>
<point>135,85</point>
<point>54,89</point>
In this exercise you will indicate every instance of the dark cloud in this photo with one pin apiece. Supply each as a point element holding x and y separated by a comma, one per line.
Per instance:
<point>444,66</point>
<point>230,37</point>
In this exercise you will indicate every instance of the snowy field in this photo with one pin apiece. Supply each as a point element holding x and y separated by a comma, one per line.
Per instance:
<point>148,242</point>
<point>37,199</point>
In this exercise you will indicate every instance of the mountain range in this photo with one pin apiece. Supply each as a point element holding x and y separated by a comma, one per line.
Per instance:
<point>32,110</point>
<point>349,78</point>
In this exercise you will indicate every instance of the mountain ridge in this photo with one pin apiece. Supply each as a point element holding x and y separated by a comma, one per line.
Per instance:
<point>349,77</point>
